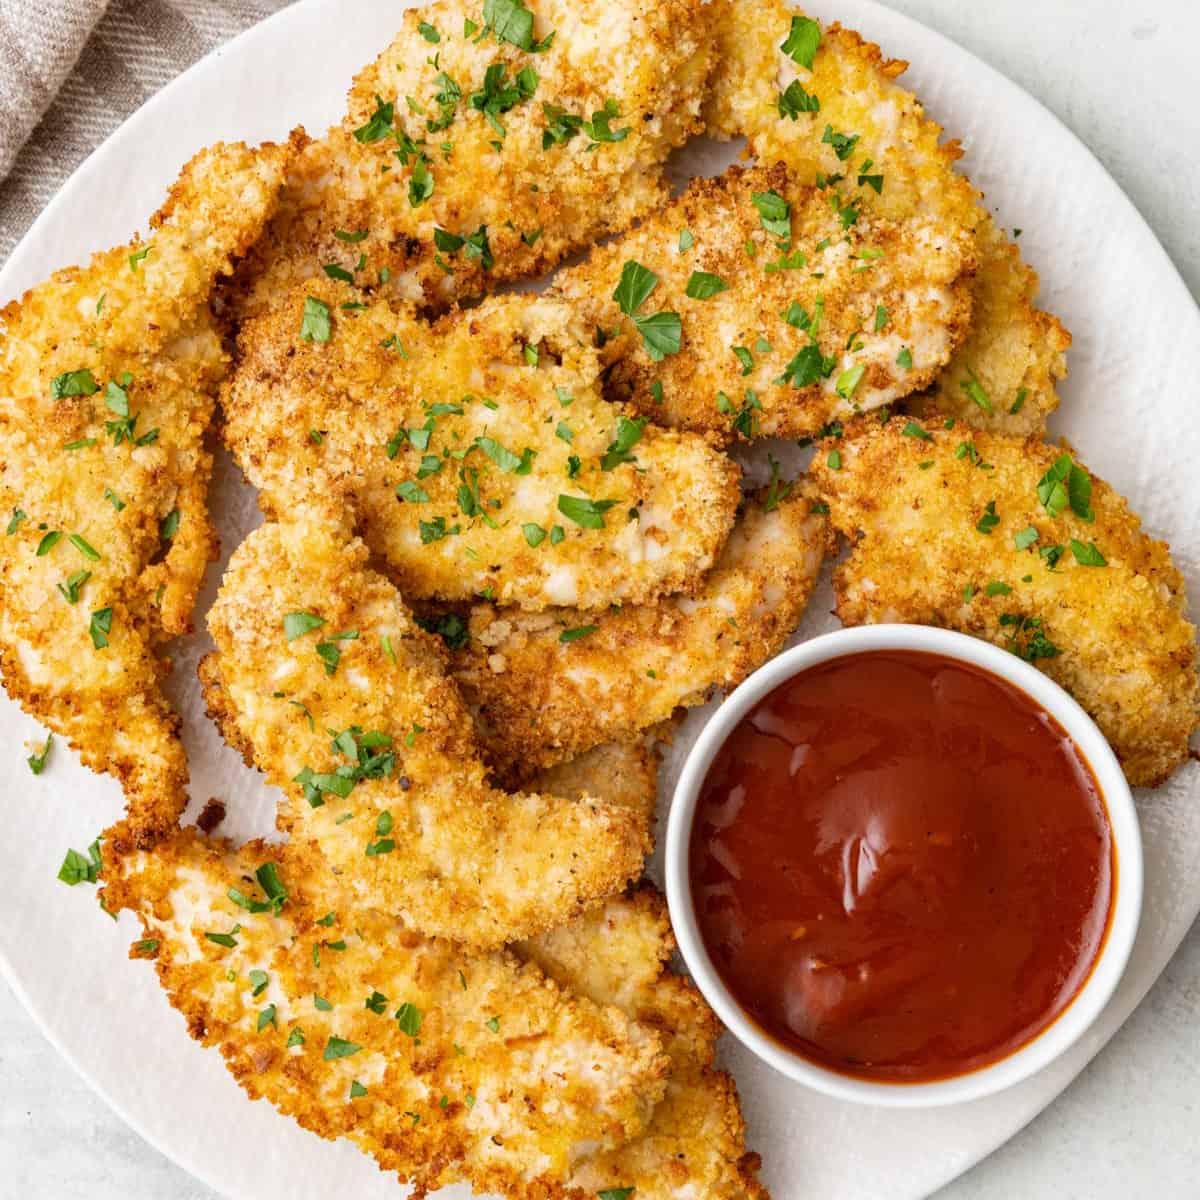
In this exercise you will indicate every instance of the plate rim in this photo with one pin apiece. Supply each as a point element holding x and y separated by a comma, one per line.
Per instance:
<point>872,10</point>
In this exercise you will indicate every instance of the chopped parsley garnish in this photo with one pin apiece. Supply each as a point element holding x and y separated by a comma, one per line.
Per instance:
<point>599,128</point>
<point>1086,555</point>
<point>78,868</point>
<point>266,1017</point>
<point>297,624</point>
<point>37,762</point>
<point>408,1017</point>
<point>623,1193</point>
<point>353,237</point>
<point>356,1089</point>
<point>169,526</point>
<point>778,490</point>
<point>493,1023</point>
<point>228,940</point>
<point>629,433</point>
<point>412,493</point>
<point>686,240</point>
<point>774,212</point>
<point>975,390</point>
<point>138,256</point>
<point>338,1047</point>
<point>1025,538</point>
<point>420,183</point>
<point>989,520</point>
<point>329,653</point>
<point>1027,640</point>
<point>794,100</point>
<point>743,355</point>
<point>72,589</point>
<point>661,332</point>
<point>587,513</point>
<point>809,366</point>
<point>380,124</point>
<point>258,981</point>
<point>834,461</point>
<point>702,285</point>
<point>510,21</point>
<point>997,588</point>
<point>315,325</point>
<point>637,282</point>
<point>905,359</point>
<point>1066,483</point>
<point>848,381</point>
<point>428,32</point>
<point>881,318</point>
<point>913,430</point>
<point>436,530</point>
<point>800,45</point>
<point>376,1002</point>
<point>276,894</point>
<point>100,626</point>
<point>843,143</point>
<point>321,1004</point>
<point>18,516</point>
<point>534,534</point>
<point>451,628</point>
<point>506,460</point>
<point>573,635</point>
<point>74,383</point>
<point>498,95</point>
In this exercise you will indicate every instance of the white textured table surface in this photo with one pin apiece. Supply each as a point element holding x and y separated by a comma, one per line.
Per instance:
<point>1121,76</point>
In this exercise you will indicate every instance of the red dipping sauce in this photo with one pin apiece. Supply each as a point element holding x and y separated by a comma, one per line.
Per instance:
<point>902,867</point>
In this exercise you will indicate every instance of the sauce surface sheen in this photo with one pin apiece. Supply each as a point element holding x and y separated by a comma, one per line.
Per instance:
<point>902,866</point>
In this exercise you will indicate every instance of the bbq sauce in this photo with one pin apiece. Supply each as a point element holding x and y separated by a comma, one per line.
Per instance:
<point>902,866</point>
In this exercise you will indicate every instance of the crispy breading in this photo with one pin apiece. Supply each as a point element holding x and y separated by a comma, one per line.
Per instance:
<point>108,376</point>
<point>459,453</point>
<point>1015,352</point>
<point>898,165</point>
<point>695,1144</point>
<point>866,314</point>
<point>926,549</point>
<point>620,773</point>
<point>440,1064</point>
<point>539,699</point>
<point>489,141</point>
<point>410,823</point>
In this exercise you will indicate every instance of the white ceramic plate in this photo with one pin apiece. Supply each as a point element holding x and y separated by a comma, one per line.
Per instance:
<point>1129,407</point>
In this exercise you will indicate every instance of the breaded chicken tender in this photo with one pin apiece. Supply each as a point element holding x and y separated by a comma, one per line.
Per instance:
<point>477,456</point>
<point>484,146</point>
<point>830,106</point>
<point>440,1064</point>
<point>324,681</point>
<point>108,377</point>
<point>548,686</point>
<point>1002,378</point>
<point>790,310</point>
<point>695,1144</point>
<point>1013,541</point>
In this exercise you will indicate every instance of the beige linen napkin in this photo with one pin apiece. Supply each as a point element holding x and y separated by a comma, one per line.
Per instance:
<point>62,92</point>
<point>40,41</point>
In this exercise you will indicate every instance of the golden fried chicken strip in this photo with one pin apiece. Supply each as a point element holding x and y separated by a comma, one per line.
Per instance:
<point>829,104</point>
<point>440,1064</point>
<point>695,1144</point>
<point>1014,542</point>
<point>1002,378</point>
<point>792,310</point>
<point>477,456</point>
<point>548,686</point>
<point>324,681</point>
<point>108,376</point>
<point>489,154</point>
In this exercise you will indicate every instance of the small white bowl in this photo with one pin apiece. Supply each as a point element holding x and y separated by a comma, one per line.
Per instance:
<point>1046,1046</point>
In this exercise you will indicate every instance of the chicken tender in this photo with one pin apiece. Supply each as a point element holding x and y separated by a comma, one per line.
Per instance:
<point>323,680</point>
<point>1002,378</point>
<point>477,456</point>
<point>485,146</point>
<point>695,1144</point>
<point>1013,541</point>
<point>548,686</point>
<point>785,309</point>
<point>440,1064</point>
<point>108,378</point>
<point>830,106</point>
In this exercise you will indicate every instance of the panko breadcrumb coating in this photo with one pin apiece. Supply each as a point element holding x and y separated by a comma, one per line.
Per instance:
<point>790,310</point>
<point>829,104</point>
<point>440,1064</point>
<point>472,154</point>
<point>477,457</point>
<point>324,681</point>
<point>548,686</point>
<point>108,376</point>
<point>618,953</point>
<point>1013,541</point>
<point>1002,378</point>
<point>695,1144</point>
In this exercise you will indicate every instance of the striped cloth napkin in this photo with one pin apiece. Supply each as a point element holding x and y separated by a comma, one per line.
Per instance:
<point>72,70</point>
